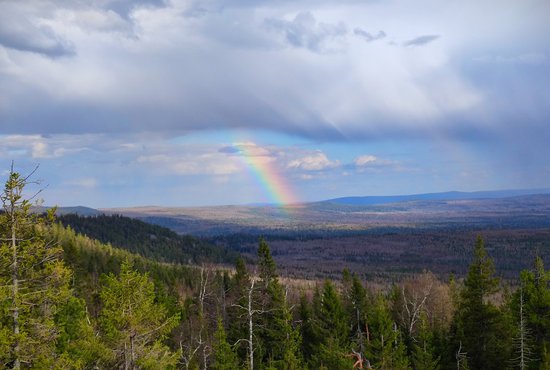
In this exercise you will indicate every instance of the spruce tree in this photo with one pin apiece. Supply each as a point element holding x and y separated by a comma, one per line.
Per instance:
<point>224,356</point>
<point>534,296</point>
<point>481,324</point>
<point>331,329</point>
<point>34,282</point>
<point>308,329</point>
<point>357,311</point>
<point>280,340</point>
<point>386,349</point>
<point>424,356</point>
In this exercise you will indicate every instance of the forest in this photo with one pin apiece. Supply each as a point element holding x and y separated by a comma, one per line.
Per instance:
<point>68,301</point>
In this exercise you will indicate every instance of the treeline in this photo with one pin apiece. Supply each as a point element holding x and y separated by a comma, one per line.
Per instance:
<point>70,302</point>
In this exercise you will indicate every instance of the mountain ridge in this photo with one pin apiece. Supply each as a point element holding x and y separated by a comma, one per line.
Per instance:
<point>449,195</point>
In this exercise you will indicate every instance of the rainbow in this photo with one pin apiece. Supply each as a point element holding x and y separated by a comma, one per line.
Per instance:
<point>267,174</point>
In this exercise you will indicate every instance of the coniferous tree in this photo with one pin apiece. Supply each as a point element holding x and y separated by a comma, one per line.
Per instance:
<point>387,349</point>
<point>355,302</point>
<point>133,324</point>
<point>482,329</point>
<point>535,296</point>
<point>280,340</point>
<point>424,356</point>
<point>34,282</point>
<point>78,343</point>
<point>224,356</point>
<point>309,334</point>
<point>332,331</point>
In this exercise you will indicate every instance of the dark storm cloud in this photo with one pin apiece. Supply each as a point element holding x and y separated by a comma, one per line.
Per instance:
<point>421,40</point>
<point>367,36</point>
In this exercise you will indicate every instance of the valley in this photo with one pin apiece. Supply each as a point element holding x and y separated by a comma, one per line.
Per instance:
<point>377,241</point>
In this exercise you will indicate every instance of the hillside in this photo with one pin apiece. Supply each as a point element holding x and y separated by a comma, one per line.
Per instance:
<point>148,240</point>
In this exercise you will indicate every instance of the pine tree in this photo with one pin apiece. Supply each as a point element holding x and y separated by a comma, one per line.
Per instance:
<point>224,356</point>
<point>34,282</point>
<point>133,324</point>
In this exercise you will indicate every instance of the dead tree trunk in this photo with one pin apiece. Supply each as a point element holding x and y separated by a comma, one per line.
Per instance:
<point>15,279</point>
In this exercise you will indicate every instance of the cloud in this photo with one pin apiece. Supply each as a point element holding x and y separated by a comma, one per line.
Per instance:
<point>21,30</point>
<point>305,32</point>
<point>421,40</point>
<point>148,67</point>
<point>365,160</point>
<point>251,149</point>
<point>369,162</point>
<point>125,7</point>
<point>229,150</point>
<point>35,146</point>
<point>368,37</point>
<point>533,59</point>
<point>317,161</point>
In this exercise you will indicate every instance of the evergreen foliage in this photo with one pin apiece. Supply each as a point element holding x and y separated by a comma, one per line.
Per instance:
<point>148,240</point>
<point>224,356</point>
<point>132,323</point>
<point>484,334</point>
<point>533,298</point>
<point>424,356</point>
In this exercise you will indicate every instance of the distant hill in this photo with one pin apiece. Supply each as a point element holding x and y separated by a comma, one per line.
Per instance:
<point>450,195</point>
<point>76,210</point>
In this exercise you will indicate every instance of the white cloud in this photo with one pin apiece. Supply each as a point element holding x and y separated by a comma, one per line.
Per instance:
<point>315,162</point>
<point>369,162</point>
<point>364,160</point>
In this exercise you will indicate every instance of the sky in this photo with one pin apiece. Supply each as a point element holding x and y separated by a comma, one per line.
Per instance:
<point>188,103</point>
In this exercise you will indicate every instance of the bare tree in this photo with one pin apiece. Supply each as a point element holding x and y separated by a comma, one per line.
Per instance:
<point>461,359</point>
<point>190,350</point>
<point>413,297</point>
<point>250,312</point>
